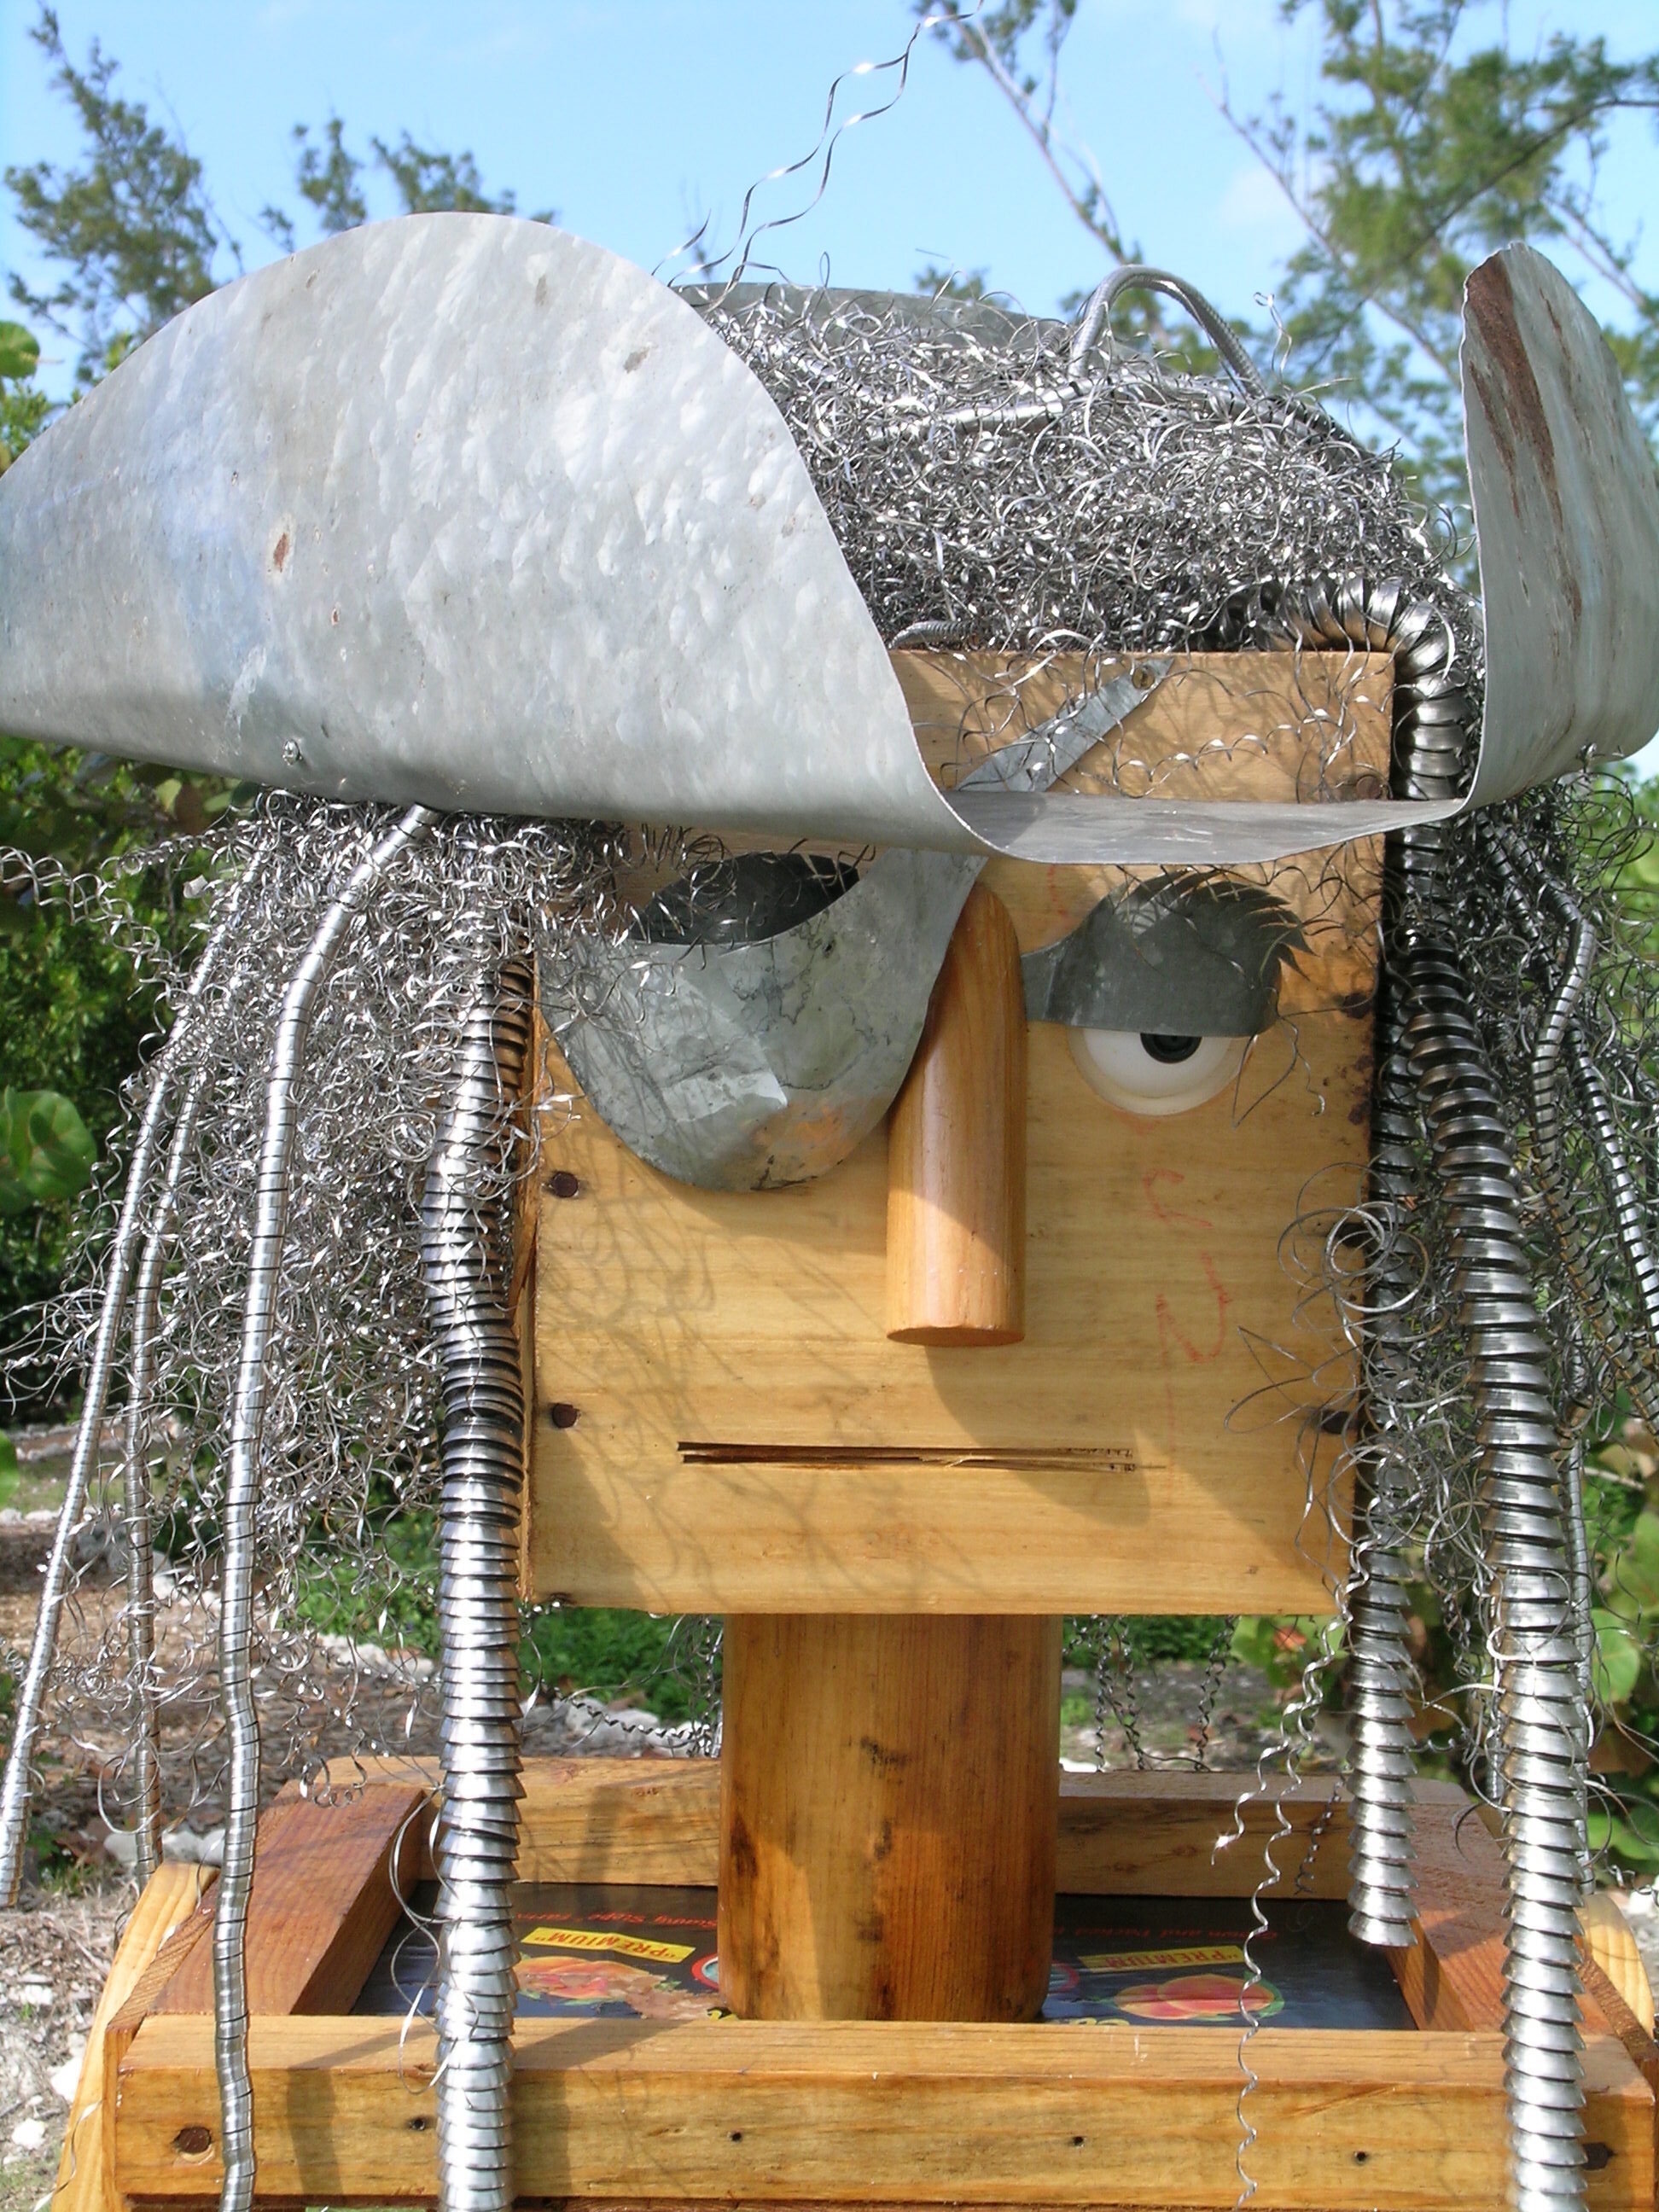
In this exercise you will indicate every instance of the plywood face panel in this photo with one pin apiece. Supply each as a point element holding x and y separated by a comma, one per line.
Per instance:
<point>747,1439</point>
<point>723,1426</point>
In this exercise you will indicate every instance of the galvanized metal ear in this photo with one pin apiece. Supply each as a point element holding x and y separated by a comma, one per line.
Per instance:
<point>1198,958</point>
<point>1566,513</point>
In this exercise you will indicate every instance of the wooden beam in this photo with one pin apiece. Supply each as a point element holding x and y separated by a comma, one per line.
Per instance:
<point>845,2111</point>
<point>131,2015</point>
<point>83,2175</point>
<point>323,1903</point>
<point>1124,1834</point>
<point>888,1812</point>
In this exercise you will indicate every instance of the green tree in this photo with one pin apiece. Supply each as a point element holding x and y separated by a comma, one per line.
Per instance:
<point>131,226</point>
<point>424,180</point>
<point>1429,140</point>
<point>23,405</point>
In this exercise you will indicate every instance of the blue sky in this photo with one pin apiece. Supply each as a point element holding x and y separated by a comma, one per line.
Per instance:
<point>635,117</point>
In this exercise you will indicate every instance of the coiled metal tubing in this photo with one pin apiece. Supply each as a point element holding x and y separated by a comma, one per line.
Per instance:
<point>1383,1754</point>
<point>466,1260</point>
<point>1381,1878</point>
<point>1559,1039</point>
<point>1540,1718</point>
<point>123,1251</point>
<point>241,1494</point>
<point>141,1565</point>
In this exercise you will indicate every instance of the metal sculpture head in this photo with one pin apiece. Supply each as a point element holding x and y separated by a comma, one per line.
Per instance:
<point>464,515</point>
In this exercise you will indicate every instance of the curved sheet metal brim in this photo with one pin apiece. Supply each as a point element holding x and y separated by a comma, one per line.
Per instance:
<point>1566,510</point>
<point>462,510</point>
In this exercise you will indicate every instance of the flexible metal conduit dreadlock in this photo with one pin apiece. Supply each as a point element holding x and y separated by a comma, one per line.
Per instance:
<point>1379,1872</point>
<point>241,1490</point>
<point>14,1791</point>
<point>140,1562</point>
<point>1541,1777</point>
<point>466,1258</point>
<point>1525,884</point>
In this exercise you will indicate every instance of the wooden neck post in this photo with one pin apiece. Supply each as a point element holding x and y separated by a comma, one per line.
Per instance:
<point>890,1785</point>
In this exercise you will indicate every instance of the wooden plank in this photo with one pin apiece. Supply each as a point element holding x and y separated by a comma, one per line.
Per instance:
<point>620,1820</point>
<point>1219,726</point>
<point>1453,1977</point>
<point>323,1902</point>
<point>880,2113</point>
<point>707,1340</point>
<point>1173,1835</point>
<point>1120,1834</point>
<point>83,2178</point>
<point>1605,1934</point>
<point>131,2015</point>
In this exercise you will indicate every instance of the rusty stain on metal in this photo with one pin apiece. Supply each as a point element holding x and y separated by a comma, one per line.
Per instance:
<point>1566,508</point>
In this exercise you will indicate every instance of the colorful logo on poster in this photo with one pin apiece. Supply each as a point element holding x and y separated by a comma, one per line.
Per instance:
<point>1194,1997</point>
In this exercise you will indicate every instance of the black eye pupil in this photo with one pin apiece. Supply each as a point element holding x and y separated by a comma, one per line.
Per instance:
<point>1168,1051</point>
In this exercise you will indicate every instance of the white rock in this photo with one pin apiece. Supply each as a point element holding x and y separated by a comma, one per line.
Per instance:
<point>187,1847</point>
<point>29,2134</point>
<point>33,1991</point>
<point>43,1516</point>
<point>66,2079</point>
<point>122,1847</point>
<point>10,1518</point>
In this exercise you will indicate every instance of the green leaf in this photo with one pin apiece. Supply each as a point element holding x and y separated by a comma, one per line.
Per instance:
<point>1617,1662</point>
<point>1252,1643</point>
<point>46,1151</point>
<point>20,350</point>
<point>1635,1837</point>
<point>1632,1576</point>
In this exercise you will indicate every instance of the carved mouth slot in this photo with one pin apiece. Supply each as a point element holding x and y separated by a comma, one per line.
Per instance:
<point>701,1453</point>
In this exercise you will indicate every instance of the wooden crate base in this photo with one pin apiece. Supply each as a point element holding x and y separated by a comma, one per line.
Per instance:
<point>724,2111</point>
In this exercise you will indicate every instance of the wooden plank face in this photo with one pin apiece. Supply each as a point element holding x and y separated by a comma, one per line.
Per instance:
<point>842,2111</point>
<point>324,1901</point>
<point>723,1426</point>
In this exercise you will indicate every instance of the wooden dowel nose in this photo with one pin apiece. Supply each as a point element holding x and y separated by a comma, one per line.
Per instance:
<point>956,1148</point>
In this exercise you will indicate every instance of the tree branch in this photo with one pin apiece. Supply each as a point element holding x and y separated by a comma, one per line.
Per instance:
<point>1103,226</point>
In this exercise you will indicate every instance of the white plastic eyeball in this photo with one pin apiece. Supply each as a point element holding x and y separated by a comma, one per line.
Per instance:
<point>1147,1073</point>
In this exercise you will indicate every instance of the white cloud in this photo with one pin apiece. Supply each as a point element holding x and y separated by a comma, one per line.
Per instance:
<point>1253,206</point>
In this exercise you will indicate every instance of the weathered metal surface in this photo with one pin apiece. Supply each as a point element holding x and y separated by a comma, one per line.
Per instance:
<point>745,1066</point>
<point>1567,519</point>
<point>460,510</point>
<point>1198,959</point>
<point>463,511</point>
